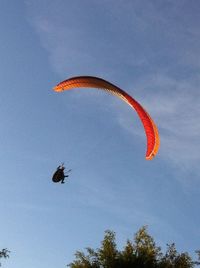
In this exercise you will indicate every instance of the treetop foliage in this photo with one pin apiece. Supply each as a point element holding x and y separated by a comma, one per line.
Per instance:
<point>142,252</point>
<point>4,253</point>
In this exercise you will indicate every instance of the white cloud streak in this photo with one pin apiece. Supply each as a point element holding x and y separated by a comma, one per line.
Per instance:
<point>176,111</point>
<point>152,40</point>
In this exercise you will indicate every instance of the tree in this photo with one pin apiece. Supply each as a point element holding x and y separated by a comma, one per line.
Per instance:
<point>4,253</point>
<point>141,253</point>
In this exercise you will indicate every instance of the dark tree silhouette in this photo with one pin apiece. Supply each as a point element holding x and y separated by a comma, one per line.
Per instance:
<point>4,253</point>
<point>141,253</point>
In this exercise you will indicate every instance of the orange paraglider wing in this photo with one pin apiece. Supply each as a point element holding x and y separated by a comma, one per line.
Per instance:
<point>150,128</point>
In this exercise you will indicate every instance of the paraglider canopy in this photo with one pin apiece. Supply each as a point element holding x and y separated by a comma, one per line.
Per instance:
<point>153,140</point>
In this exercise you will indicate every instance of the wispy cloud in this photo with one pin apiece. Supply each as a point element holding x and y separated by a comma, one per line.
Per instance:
<point>176,111</point>
<point>140,44</point>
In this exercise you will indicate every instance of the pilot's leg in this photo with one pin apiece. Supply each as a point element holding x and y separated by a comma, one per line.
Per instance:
<point>62,181</point>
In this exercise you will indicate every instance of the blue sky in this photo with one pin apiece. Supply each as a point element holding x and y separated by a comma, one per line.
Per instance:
<point>148,48</point>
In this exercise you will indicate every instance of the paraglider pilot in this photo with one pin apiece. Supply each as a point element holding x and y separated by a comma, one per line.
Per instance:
<point>59,175</point>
